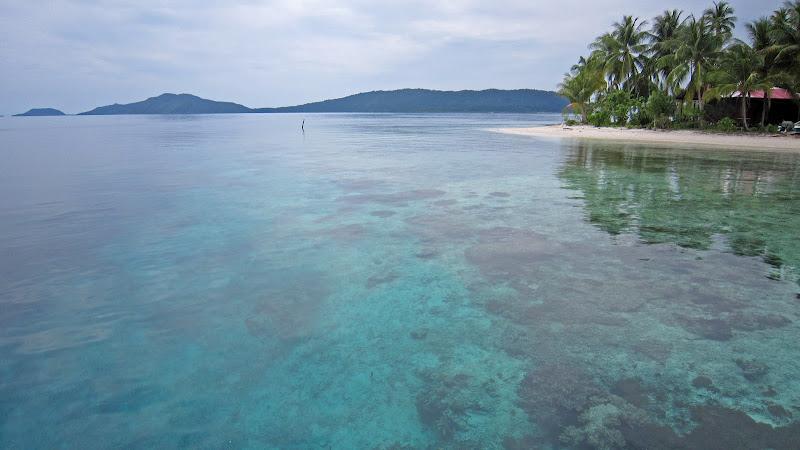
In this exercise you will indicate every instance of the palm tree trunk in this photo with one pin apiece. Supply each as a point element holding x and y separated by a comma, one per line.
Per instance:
<point>763,112</point>
<point>744,112</point>
<point>701,117</point>
<point>769,104</point>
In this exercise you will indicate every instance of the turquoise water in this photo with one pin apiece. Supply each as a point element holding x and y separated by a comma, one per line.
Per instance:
<point>390,282</point>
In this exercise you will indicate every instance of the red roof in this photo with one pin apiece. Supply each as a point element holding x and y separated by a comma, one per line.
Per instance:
<point>775,94</point>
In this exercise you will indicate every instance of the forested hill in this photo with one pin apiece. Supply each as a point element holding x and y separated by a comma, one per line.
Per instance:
<point>171,104</point>
<point>425,100</point>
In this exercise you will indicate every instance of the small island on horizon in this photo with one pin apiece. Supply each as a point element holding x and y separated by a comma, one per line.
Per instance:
<point>41,112</point>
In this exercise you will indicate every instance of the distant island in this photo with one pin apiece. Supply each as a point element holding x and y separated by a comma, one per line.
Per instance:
<point>430,101</point>
<point>37,112</point>
<point>171,104</point>
<point>397,101</point>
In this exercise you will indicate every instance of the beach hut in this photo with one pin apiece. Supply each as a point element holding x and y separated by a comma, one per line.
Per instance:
<point>781,105</point>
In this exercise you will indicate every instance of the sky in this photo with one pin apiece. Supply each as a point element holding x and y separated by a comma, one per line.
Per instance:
<point>77,54</point>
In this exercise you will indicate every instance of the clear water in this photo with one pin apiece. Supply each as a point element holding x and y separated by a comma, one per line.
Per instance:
<point>390,281</point>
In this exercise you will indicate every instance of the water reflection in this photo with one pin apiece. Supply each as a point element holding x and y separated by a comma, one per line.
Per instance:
<point>693,199</point>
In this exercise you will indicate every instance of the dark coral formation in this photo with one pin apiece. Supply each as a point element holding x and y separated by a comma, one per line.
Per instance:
<point>703,382</point>
<point>751,369</point>
<point>716,427</point>
<point>427,254</point>
<point>599,425</point>
<point>713,329</point>
<point>377,280</point>
<point>568,403</point>
<point>722,326</point>
<point>571,406</point>
<point>290,309</point>
<point>419,334</point>
<point>382,213</point>
<point>779,411</point>
<point>396,198</point>
<point>441,408</point>
<point>555,393</point>
<point>632,390</point>
<point>755,321</point>
<point>509,253</point>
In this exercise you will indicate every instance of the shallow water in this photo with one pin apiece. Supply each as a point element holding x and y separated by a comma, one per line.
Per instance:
<point>390,281</point>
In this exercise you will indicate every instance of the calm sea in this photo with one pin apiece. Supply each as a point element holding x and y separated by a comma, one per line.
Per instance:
<point>390,282</point>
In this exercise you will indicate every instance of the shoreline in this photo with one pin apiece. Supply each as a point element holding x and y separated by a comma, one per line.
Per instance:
<point>759,142</point>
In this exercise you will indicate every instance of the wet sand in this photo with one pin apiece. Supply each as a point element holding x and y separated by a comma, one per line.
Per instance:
<point>765,142</point>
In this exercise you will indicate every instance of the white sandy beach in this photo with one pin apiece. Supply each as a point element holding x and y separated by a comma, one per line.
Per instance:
<point>762,142</point>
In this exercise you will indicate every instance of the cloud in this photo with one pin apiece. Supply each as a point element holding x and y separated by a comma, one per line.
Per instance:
<point>77,54</point>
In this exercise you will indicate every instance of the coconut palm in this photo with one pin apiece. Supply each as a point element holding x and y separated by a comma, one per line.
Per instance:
<point>664,29</point>
<point>760,31</point>
<point>602,49</point>
<point>785,36</point>
<point>739,73</point>
<point>621,52</point>
<point>584,80</point>
<point>665,26</point>
<point>693,53</point>
<point>785,48</point>
<point>721,19</point>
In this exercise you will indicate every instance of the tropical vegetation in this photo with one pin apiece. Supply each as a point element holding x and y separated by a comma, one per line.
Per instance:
<point>667,72</point>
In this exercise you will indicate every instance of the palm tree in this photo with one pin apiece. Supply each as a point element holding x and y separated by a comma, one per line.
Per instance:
<point>785,35</point>
<point>693,52</point>
<point>664,29</point>
<point>584,80</point>
<point>602,49</point>
<point>622,52</point>
<point>721,19</point>
<point>785,48</point>
<point>760,32</point>
<point>738,72</point>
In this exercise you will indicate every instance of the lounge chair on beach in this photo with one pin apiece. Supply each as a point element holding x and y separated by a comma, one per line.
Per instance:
<point>789,127</point>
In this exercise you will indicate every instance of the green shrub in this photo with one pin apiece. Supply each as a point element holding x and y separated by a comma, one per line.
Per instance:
<point>570,122</point>
<point>663,123</point>
<point>688,117</point>
<point>772,129</point>
<point>617,108</point>
<point>726,124</point>
<point>599,117</point>
<point>659,108</point>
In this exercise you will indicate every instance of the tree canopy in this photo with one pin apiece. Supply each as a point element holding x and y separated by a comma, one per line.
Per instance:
<point>689,58</point>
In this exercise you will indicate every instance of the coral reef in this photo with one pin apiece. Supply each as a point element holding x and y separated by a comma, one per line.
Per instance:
<point>442,405</point>
<point>751,369</point>
<point>704,382</point>
<point>599,425</point>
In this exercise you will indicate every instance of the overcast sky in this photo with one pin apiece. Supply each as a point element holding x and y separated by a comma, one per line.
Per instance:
<point>77,54</point>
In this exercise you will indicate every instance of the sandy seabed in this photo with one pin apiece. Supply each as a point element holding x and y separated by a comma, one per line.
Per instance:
<point>767,142</point>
